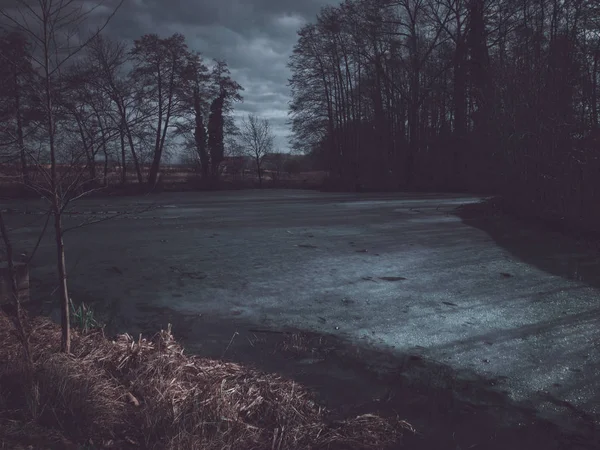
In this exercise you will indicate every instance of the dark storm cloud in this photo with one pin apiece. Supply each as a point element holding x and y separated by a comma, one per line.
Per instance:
<point>240,15</point>
<point>255,37</point>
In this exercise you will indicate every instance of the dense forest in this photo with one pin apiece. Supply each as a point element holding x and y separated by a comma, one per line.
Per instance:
<point>493,96</point>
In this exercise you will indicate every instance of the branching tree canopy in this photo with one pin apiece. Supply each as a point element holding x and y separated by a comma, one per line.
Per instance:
<point>106,60</point>
<point>482,95</point>
<point>257,139</point>
<point>160,74</point>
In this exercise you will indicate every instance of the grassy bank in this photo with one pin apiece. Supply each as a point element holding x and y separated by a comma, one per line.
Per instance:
<point>147,393</point>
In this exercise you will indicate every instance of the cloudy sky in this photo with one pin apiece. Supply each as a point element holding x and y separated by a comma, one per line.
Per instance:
<point>255,37</point>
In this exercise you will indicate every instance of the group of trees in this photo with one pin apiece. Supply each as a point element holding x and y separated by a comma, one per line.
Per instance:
<point>486,95</point>
<point>78,109</point>
<point>113,106</point>
<point>70,98</point>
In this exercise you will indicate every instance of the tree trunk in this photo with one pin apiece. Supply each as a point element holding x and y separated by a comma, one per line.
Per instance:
<point>56,206</point>
<point>105,175</point>
<point>136,162</point>
<point>200,135</point>
<point>87,148</point>
<point>259,171</point>
<point>20,140</point>
<point>104,149</point>
<point>123,157</point>
<point>460,112</point>
<point>154,169</point>
<point>413,123</point>
<point>92,160</point>
<point>65,343</point>
<point>153,174</point>
<point>594,99</point>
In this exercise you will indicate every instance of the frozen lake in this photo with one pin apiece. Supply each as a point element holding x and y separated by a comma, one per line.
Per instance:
<point>396,271</point>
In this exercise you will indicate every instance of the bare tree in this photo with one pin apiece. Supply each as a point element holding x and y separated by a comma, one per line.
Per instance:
<point>107,59</point>
<point>55,28</point>
<point>160,70</point>
<point>257,138</point>
<point>484,95</point>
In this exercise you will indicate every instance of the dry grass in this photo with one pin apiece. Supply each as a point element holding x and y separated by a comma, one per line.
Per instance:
<point>139,393</point>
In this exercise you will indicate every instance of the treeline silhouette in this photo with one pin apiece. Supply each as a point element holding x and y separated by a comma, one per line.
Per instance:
<point>493,96</point>
<point>113,104</point>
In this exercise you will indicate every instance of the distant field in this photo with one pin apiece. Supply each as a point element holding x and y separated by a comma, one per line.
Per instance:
<point>174,178</point>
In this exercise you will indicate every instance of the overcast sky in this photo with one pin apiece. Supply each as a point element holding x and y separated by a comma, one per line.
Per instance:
<point>255,37</point>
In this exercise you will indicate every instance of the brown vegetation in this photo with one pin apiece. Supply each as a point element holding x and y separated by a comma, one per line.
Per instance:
<point>139,393</point>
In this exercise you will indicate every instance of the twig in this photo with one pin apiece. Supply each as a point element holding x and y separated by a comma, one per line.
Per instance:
<point>77,197</point>
<point>37,244</point>
<point>104,219</point>
<point>230,342</point>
